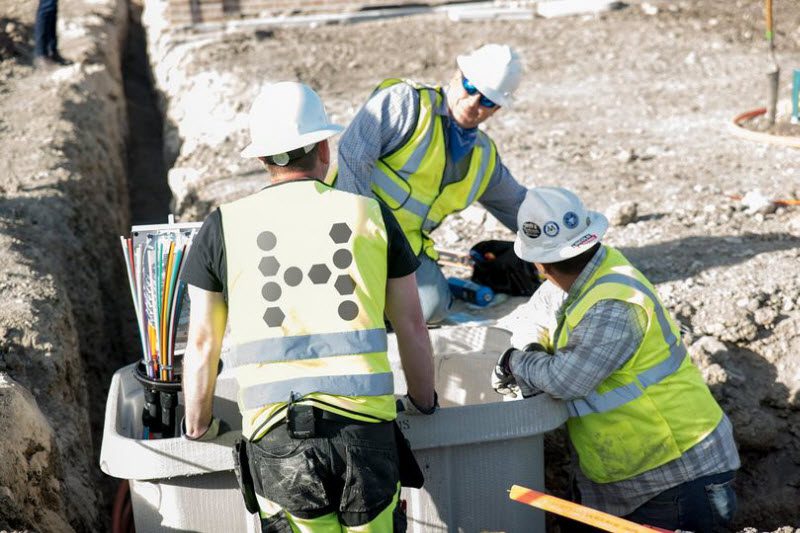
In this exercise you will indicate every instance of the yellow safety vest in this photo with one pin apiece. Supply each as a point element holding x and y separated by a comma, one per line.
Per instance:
<point>653,408</point>
<point>306,291</point>
<point>409,179</point>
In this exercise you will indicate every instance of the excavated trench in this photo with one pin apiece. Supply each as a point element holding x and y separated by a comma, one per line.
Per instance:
<point>148,193</point>
<point>147,174</point>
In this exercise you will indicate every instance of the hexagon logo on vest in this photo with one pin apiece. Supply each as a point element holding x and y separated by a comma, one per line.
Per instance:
<point>273,316</point>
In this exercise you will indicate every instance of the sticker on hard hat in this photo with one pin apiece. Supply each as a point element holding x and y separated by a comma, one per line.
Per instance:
<point>551,229</point>
<point>586,239</point>
<point>570,220</point>
<point>531,229</point>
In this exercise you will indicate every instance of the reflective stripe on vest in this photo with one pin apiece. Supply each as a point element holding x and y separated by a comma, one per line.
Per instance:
<point>596,402</point>
<point>355,385</point>
<point>308,347</point>
<point>409,180</point>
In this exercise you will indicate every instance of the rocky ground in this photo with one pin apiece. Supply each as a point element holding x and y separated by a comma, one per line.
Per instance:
<point>629,108</point>
<point>632,109</point>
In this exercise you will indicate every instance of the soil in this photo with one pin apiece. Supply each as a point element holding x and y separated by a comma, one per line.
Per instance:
<point>629,108</point>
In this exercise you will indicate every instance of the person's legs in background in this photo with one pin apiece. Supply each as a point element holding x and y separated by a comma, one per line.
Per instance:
<point>434,293</point>
<point>44,33</point>
<point>52,34</point>
<point>45,27</point>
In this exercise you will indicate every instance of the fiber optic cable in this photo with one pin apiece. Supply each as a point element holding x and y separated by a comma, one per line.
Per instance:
<point>150,301</point>
<point>165,309</point>
<point>173,294</point>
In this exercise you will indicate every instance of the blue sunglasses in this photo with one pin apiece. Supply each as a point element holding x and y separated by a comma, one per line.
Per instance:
<point>471,89</point>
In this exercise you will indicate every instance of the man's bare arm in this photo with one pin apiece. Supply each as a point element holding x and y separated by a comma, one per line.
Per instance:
<point>404,313</point>
<point>207,320</point>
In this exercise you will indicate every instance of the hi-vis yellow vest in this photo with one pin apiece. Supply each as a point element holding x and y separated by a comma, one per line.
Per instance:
<point>653,408</point>
<point>409,179</point>
<point>306,292</point>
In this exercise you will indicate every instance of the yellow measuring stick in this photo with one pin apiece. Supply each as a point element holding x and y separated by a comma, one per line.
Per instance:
<point>578,512</point>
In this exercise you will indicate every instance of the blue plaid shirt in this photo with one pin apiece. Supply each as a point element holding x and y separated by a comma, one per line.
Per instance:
<point>607,336</point>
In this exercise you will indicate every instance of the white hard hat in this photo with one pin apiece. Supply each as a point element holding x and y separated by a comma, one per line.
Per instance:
<point>286,116</point>
<point>554,225</point>
<point>495,70</point>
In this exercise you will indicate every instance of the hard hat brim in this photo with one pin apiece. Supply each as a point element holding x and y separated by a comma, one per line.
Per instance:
<point>472,72</point>
<point>263,150</point>
<point>542,254</point>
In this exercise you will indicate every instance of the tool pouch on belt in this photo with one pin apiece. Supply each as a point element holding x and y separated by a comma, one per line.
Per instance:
<point>241,465</point>
<point>499,268</point>
<point>410,472</point>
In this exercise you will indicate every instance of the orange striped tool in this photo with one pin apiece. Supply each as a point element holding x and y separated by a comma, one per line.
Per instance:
<point>578,512</point>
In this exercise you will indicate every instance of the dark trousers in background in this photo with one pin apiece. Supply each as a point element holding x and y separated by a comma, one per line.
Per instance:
<point>703,505</point>
<point>44,30</point>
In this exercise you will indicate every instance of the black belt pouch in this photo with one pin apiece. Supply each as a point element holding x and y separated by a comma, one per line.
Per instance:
<point>243,476</point>
<point>410,472</point>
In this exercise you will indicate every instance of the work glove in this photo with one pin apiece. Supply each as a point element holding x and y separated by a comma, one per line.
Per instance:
<point>503,381</point>
<point>216,428</point>
<point>407,405</point>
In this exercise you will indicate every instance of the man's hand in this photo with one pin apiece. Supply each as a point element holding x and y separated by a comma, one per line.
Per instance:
<point>407,405</point>
<point>215,428</point>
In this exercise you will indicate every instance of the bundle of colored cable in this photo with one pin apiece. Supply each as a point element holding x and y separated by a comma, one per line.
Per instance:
<point>154,267</point>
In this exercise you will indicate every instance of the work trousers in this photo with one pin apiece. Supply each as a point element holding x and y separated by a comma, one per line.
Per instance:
<point>704,505</point>
<point>44,30</point>
<point>435,297</point>
<point>344,479</point>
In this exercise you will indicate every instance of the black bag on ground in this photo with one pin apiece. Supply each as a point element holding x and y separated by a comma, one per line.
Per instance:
<point>241,466</point>
<point>410,473</point>
<point>499,268</point>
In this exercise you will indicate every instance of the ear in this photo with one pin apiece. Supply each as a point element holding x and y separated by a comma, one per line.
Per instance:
<point>324,151</point>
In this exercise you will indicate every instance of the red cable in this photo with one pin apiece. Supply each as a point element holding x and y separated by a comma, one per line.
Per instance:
<point>122,496</point>
<point>127,517</point>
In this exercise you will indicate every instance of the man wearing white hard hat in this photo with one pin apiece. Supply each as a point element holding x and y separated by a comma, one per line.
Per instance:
<point>303,276</point>
<point>652,444</point>
<point>418,149</point>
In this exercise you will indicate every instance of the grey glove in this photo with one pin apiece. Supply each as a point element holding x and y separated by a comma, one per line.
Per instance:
<point>407,405</point>
<point>216,428</point>
<point>503,381</point>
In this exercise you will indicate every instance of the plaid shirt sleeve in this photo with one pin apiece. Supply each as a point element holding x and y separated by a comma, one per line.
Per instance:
<point>606,337</point>
<point>503,196</point>
<point>378,128</point>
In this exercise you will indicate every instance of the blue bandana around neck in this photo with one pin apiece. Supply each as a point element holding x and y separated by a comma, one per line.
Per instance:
<point>461,140</point>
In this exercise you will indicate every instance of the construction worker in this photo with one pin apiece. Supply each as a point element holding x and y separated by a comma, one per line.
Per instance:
<point>418,149</point>
<point>652,443</point>
<point>303,275</point>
